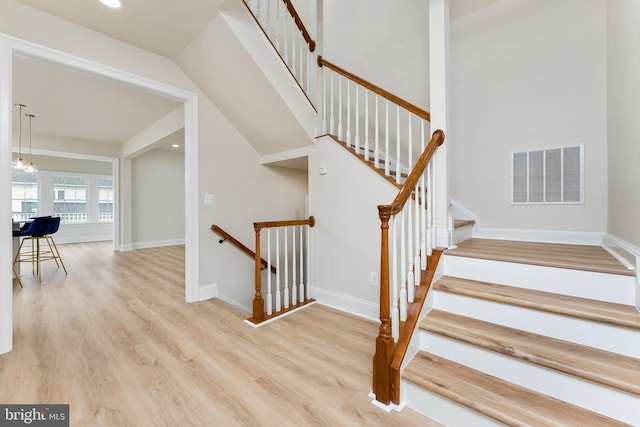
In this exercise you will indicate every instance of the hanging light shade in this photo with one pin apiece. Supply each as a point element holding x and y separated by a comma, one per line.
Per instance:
<point>19,163</point>
<point>30,167</point>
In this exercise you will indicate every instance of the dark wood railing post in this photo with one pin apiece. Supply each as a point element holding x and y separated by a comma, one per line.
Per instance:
<point>385,347</point>
<point>258,302</point>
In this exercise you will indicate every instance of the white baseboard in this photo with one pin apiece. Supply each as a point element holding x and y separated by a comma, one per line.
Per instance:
<point>206,292</point>
<point>627,253</point>
<point>547,236</point>
<point>81,239</point>
<point>347,303</point>
<point>156,244</point>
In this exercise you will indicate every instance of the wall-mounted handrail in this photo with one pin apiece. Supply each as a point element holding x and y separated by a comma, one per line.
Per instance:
<point>295,257</point>
<point>376,89</point>
<point>300,25</point>
<point>383,383</point>
<point>226,236</point>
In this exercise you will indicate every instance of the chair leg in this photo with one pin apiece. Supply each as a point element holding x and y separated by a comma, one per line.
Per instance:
<point>38,260</point>
<point>57,254</point>
<point>49,239</point>
<point>17,275</point>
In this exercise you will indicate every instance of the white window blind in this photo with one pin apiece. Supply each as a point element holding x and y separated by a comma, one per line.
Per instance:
<point>548,176</point>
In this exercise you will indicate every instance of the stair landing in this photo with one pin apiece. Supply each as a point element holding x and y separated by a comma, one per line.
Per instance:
<point>575,257</point>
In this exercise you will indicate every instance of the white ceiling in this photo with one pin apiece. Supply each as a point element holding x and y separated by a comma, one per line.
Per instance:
<point>79,106</point>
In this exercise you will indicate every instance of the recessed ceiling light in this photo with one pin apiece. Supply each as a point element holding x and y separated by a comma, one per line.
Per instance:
<point>175,145</point>
<point>116,4</point>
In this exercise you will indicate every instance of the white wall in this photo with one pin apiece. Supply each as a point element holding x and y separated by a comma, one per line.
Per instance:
<point>624,105</point>
<point>346,247</point>
<point>228,167</point>
<point>385,42</point>
<point>157,190</point>
<point>528,74</point>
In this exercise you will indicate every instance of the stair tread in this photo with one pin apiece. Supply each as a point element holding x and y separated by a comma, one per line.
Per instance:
<point>599,311</point>
<point>506,402</point>
<point>604,367</point>
<point>576,257</point>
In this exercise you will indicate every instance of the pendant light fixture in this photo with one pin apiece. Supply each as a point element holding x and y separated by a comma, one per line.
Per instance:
<point>30,168</point>
<point>19,163</point>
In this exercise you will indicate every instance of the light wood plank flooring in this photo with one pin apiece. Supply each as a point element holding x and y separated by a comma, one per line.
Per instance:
<point>578,257</point>
<point>116,340</point>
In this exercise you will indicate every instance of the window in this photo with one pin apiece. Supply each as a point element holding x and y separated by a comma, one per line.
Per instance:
<point>76,198</point>
<point>24,196</point>
<point>549,176</point>
<point>105,200</point>
<point>70,198</point>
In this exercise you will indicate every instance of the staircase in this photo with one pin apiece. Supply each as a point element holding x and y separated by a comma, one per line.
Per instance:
<point>497,346</point>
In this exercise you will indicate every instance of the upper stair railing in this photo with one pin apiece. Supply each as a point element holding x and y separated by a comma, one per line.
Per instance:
<point>287,247</point>
<point>375,123</point>
<point>403,257</point>
<point>285,30</point>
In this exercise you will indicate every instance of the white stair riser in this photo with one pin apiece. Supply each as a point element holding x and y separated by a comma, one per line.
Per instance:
<point>596,397</point>
<point>599,286</point>
<point>443,410</point>
<point>461,234</point>
<point>593,334</point>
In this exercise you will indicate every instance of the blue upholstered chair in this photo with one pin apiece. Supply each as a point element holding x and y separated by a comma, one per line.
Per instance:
<point>40,228</point>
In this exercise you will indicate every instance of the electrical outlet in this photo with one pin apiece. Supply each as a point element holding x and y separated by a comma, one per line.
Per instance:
<point>373,278</point>
<point>208,199</point>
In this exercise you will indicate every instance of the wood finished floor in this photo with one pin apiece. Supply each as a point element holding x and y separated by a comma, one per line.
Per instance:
<point>116,340</point>
<point>578,257</point>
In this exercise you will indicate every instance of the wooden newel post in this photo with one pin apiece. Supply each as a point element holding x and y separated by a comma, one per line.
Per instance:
<point>258,302</point>
<point>385,347</point>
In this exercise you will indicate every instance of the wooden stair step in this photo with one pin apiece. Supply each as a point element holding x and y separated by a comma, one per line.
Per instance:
<point>611,369</point>
<point>501,400</point>
<point>576,257</point>
<point>583,308</point>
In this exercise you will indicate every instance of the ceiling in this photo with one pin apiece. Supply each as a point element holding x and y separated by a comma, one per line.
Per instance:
<point>76,105</point>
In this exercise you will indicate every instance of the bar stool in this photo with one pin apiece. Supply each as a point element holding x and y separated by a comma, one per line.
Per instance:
<point>39,228</point>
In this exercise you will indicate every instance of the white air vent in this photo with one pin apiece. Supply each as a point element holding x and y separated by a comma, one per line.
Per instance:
<point>549,176</point>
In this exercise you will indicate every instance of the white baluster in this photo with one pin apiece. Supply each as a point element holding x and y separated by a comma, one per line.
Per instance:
<point>410,273</point>
<point>269,296</point>
<point>426,205</point>
<point>387,171</point>
<point>331,118</point>
<point>301,287</point>
<point>294,285</point>
<point>278,295</point>
<point>324,100</point>
<point>277,25</point>
<point>376,152</point>
<point>303,45</point>
<point>258,10</point>
<point>286,37</point>
<point>434,219</point>
<point>357,119</point>
<point>308,55</point>
<point>367,147</point>
<point>286,270</point>
<point>395,313</point>
<point>403,271</point>
<point>348,135</point>
<point>340,108</point>
<point>419,207</point>
<point>302,291</point>
<point>398,168</point>
<point>267,23</point>
<point>293,51</point>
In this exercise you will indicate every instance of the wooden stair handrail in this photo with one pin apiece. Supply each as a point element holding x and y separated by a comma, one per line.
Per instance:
<point>376,89</point>
<point>383,381</point>
<point>216,229</point>
<point>300,25</point>
<point>258,301</point>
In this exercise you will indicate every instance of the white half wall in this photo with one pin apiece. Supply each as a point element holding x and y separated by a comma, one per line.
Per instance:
<point>346,238</point>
